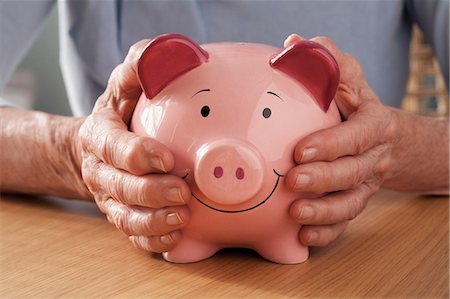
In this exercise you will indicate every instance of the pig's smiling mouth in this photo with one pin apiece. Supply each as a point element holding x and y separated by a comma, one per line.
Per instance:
<point>244,210</point>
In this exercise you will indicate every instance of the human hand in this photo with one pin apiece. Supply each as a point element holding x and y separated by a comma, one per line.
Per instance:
<point>125,172</point>
<point>344,164</point>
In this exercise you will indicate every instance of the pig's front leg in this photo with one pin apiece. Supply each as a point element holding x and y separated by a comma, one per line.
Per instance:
<point>283,248</point>
<point>189,250</point>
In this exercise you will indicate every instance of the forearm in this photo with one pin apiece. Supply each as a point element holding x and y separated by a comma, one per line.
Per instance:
<point>39,154</point>
<point>420,157</point>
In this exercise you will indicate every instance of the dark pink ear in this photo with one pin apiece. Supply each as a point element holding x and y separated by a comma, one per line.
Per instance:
<point>313,66</point>
<point>164,59</point>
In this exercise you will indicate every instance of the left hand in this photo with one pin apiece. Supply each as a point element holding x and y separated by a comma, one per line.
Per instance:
<point>346,163</point>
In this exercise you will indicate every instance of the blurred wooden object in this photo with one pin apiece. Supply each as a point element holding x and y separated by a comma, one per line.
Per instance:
<point>426,92</point>
<point>52,248</point>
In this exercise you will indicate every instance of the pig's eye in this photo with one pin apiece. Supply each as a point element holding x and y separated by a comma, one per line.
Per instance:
<point>205,111</point>
<point>267,112</point>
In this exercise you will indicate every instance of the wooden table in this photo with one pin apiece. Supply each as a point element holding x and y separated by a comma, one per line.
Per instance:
<point>398,247</point>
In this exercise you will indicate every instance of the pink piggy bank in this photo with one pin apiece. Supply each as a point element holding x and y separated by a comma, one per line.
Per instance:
<point>232,113</point>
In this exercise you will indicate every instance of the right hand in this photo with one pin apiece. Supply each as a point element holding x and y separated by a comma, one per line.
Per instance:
<point>125,172</point>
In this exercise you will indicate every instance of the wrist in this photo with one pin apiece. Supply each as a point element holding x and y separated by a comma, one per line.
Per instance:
<point>67,159</point>
<point>419,156</point>
<point>39,154</point>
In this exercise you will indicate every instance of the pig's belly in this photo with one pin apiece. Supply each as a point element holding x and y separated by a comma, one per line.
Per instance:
<point>269,221</point>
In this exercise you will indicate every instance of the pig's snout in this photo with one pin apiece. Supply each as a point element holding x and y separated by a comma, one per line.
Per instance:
<point>229,172</point>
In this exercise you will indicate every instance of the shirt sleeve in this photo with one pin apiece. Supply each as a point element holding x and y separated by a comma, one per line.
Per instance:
<point>21,22</point>
<point>432,17</point>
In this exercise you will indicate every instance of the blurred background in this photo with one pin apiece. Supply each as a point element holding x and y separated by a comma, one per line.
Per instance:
<point>38,84</point>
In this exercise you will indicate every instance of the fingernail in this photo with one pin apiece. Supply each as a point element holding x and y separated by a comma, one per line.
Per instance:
<point>313,236</point>
<point>166,239</point>
<point>306,212</point>
<point>173,219</point>
<point>302,180</point>
<point>157,163</point>
<point>174,195</point>
<point>308,154</point>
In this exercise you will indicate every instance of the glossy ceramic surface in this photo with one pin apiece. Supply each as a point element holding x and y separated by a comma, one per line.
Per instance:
<point>232,113</point>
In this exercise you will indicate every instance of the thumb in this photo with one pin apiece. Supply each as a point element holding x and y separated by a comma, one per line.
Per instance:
<point>124,89</point>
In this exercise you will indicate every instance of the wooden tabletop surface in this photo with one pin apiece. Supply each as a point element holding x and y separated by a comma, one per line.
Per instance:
<point>398,247</point>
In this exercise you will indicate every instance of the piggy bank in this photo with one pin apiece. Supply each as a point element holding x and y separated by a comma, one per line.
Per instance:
<point>232,113</point>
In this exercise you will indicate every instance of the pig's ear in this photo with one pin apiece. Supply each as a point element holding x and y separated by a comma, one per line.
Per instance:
<point>313,66</point>
<point>164,59</point>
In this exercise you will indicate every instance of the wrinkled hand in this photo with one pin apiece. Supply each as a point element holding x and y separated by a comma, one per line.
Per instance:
<point>125,172</point>
<point>346,163</point>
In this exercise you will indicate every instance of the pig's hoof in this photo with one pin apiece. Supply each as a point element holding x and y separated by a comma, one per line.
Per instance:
<point>190,251</point>
<point>290,255</point>
<point>190,256</point>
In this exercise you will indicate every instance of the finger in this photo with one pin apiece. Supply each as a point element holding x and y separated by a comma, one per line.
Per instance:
<point>145,222</point>
<point>321,235</point>
<point>343,173</point>
<point>353,89</point>
<point>292,39</point>
<point>329,44</point>
<point>162,243</point>
<point>332,208</point>
<point>123,89</point>
<point>105,135</point>
<point>352,137</point>
<point>152,191</point>
<point>342,58</point>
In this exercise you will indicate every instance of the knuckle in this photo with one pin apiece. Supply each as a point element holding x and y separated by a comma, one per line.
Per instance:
<point>155,225</point>
<point>142,243</point>
<point>335,145</point>
<point>355,67</point>
<point>107,149</point>
<point>157,245</point>
<point>135,50</point>
<point>361,137</point>
<point>131,153</point>
<point>322,178</point>
<point>103,100</point>
<point>116,88</point>
<point>114,186</point>
<point>89,169</point>
<point>382,167</point>
<point>100,201</point>
<point>145,193</point>
<point>146,223</point>
<point>354,206</point>
<point>327,213</point>
<point>85,133</point>
<point>369,188</point>
<point>120,218</point>
<point>86,170</point>
<point>358,170</point>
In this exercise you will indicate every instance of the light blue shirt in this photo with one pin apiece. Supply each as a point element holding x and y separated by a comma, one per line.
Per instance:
<point>95,35</point>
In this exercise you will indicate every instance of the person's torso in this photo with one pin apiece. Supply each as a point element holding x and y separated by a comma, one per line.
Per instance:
<point>96,35</point>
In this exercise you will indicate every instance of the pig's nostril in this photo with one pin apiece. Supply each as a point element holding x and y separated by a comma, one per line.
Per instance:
<point>240,173</point>
<point>218,172</point>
